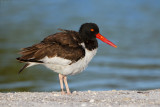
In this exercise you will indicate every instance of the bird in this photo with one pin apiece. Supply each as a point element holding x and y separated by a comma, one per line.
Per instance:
<point>66,52</point>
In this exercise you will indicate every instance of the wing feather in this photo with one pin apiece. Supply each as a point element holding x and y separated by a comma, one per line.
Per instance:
<point>64,44</point>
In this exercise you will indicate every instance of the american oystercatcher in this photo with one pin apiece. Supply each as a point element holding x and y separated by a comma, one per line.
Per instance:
<point>67,52</point>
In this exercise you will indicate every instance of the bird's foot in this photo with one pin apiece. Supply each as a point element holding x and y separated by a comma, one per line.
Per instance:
<point>69,93</point>
<point>63,93</point>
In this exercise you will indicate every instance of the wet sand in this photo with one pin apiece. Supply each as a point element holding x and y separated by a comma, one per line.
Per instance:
<point>111,98</point>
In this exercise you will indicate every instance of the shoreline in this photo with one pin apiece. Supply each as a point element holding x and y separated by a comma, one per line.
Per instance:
<point>89,98</point>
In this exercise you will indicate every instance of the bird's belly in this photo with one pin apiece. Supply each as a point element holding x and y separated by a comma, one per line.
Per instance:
<point>74,68</point>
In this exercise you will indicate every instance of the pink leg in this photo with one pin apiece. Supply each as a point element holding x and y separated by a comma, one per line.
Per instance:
<point>61,77</point>
<point>66,84</point>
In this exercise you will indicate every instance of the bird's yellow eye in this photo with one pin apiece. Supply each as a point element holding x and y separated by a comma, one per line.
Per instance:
<point>92,30</point>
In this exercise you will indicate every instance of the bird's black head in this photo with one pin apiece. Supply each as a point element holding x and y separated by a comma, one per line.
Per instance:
<point>88,31</point>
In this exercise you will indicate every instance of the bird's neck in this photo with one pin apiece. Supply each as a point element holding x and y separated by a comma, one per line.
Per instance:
<point>91,44</point>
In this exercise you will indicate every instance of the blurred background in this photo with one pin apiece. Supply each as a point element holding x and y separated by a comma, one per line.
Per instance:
<point>134,26</point>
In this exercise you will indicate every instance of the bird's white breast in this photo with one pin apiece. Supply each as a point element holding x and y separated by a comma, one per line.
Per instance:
<point>81,64</point>
<point>65,66</point>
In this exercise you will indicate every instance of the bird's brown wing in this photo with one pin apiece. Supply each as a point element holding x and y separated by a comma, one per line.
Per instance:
<point>64,44</point>
<point>66,37</point>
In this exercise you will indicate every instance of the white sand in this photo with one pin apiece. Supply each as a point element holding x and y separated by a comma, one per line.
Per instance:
<point>112,98</point>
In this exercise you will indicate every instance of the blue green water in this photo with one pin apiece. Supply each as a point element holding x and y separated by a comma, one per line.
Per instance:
<point>134,26</point>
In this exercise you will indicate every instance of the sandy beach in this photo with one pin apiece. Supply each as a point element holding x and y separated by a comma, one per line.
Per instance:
<point>89,98</point>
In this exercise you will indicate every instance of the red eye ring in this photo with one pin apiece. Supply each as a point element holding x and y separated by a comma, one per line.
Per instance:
<point>91,30</point>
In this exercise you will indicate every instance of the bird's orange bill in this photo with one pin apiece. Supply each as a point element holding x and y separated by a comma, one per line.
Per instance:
<point>102,38</point>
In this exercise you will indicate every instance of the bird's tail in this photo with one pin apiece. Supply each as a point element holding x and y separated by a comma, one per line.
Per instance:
<point>29,62</point>
<point>23,68</point>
